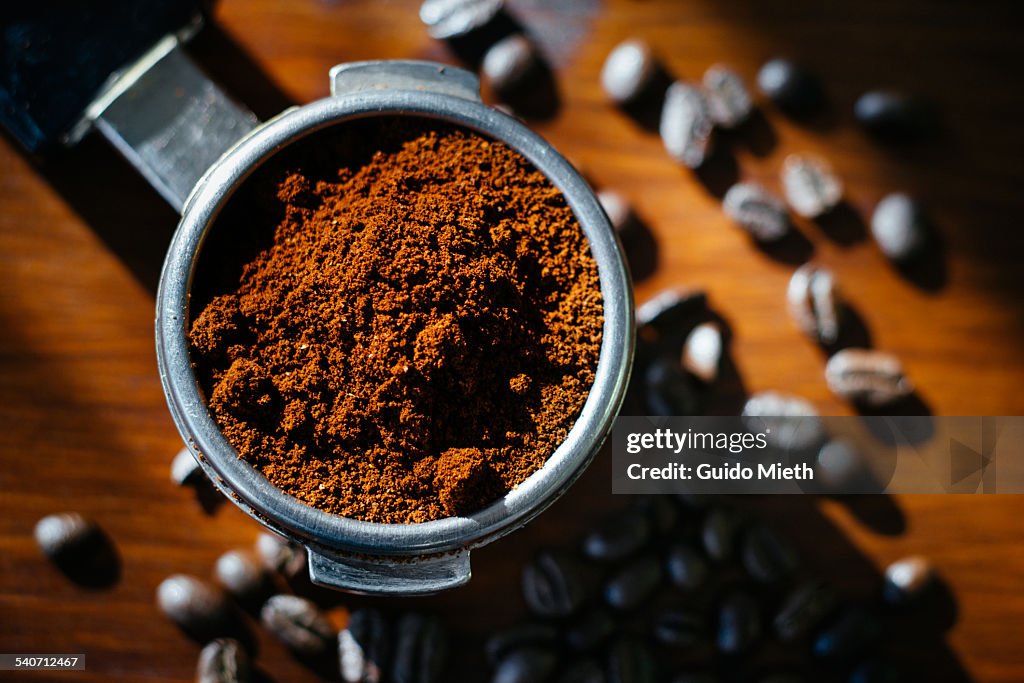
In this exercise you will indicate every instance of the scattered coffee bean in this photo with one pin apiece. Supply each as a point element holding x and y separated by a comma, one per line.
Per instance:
<point>630,661</point>
<point>298,623</point>
<point>679,628</point>
<point>853,632</point>
<point>196,606</point>
<point>517,637</point>
<point>900,227</point>
<point>791,87</point>
<point>618,537</point>
<point>907,579</point>
<point>815,302</point>
<point>659,510</point>
<point>241,574</point>
<point>728,97</point>
<point>451,19</point>
<point>702,352</point>
<point>687,568</point>
<point>620,213</point>
<point>719,533</point>
<point>223,661</point>
<point>804,609</point>
<point>872,378</point>
<point>634,583</point>
<point>421,650</point>
<point>591,630</point>
<point>758,211</point>
<point>583,671</point>
<point>839,466</point>
<point>364,647</point>
<point>628,71</point>
<point>508,64</point>
<point>788,422</point>
<point>281,556</point>
<point>525,666</point>
<point>894,115</point>
<point>185,471</point>
<point>65,534</point>
<point>670,390</point>
<point>553,585</point>
<point>686,125</point>
<point>810,185</point>
<point>766,557</point>
<point>672,308</point>
<point>739,624</point>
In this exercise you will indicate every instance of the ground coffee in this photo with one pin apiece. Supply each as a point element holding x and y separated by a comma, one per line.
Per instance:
<point>419,338</point>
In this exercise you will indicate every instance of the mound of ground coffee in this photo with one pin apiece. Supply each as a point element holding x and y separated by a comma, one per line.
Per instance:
<point>419,338</point>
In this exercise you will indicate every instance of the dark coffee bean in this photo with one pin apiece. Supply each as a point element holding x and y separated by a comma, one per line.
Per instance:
<point>628,71</point>
<point>739,624</point>
<point>815,302</point>
<point>804,609</point>
<point>298,623</point>
<point>840,465</point>
<point>65,534</point>
<point>198,607</point>
<point>620,213</point>
<point>672,309</point>
<point>872,378</point>
<point>907,579</point>
<point>421,650</point>
<point>223,661</point>
<point>242,575</point>
<point>720,532</point>
<point>788,422</point>
<point>875,671</point>
<point>852,633</point>
<point>894,115</point>
<point>634,583</point>
<point>693,677</point>
<point>759,212</point>
<point>687,567</point>
<point>702,352</point>
<point>451,19</point>
<point>281,556</point>
<point>679,628</point>
<point>791,87</point>
<point>810,185</point>
<point>766,557</point>
<point>518,637</point>
<point>659,510</point>
<point>590,630</point>
<point>670,390</point>
<point>364,647</point>
<point>185,471</point>
<point>583,671</point>
<point>528,665</point>
<point>618,537</point>
<point>900,227</point>
<point>630,661</point>
<point>728,98</point>
<point>509,64</point>
<point>686,127</point>
<point>553,586</point>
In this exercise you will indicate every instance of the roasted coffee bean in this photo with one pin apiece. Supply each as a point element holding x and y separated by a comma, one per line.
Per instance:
<point>702,352</point>
<point>590,630</point>
<point>364,647</point>
<point>659,510</point>
<point>517,637</point>
<point>298,623</point>
<point>811,186</point>
<point>839,466</point>
<point>875,671</point>
<point>509,64</point>
<point>739,624</point>
<point>223,661</point>
<point>452,19</point>
<point>583,671</point>
<point>620,213</point>
<point>279,555</point>
<point>907,579</point>
<point>900,227</point>
<point>634,583</point>
<point>671,309</point>
<point>849,636</point>
<point>618,537</point>
<point>791,87</point>
<point>872,378</point>
<point>686,566</point>
<point>528,665</point>
<point>630,661</point>
<point>728,97</point>
<point>788,422</point>
<point>758,211</point>
<point>678,628</point>
<point>804,609</point>
<point>720,532</point>
<point>894,115</point>
<point>628,71</point>
<point>198,607</point>
<point>65,534</point>
<point>693,677</point>
<point>670,390</point>
<point>242,575</point>
<point>553,586</point>
<point>421,650</point>
<point>815,302</point>
<point>766,557</point>
<point>687,129</point>
<point>185,471</point>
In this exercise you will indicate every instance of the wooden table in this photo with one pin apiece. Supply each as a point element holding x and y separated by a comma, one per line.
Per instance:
<point>84,425</point>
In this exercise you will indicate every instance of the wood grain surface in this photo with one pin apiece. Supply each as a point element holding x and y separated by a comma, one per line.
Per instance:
<point>83,424</point>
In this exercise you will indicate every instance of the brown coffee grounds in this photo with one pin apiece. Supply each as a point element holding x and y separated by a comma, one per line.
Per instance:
<point>418,340</point>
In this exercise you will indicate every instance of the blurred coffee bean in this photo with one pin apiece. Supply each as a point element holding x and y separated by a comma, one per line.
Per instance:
<point>894,115</point>
<point>728,97</point>
<point>839,466</point>
<point>242,575</point>
<point>452,19</point>
<point>686,566</point>
<point>421,650</point>
<point>223,661</point>
<point>850,635</point>
<point>583,671</point>
<point>659,510</point>
<point>788,422</point>
<point>720,532</point>
<point>871,378</point>
<point>528,665</point>
<point>280,556</point>
<point>670,390</point>
<point>702,352</point>
<point>875,671</point>
<point>618,537</point>
<point>553,585</point>
<point>739,624</point>
<point>65,534</point>
<point>620,213</point>
<point>816,303</point>
<point>811,186</point>
<point>679,628</point>
<point>672,309</point>
<point>766,557</point>
<point>759,212</point>
<point>628,71</point>
<point>633,584</point>
<point>791,87</point>
<point>590,630</point>
<point>185,471</point>
<point>517,637</point>
<point>508,64</point>
<point>686,126</point>
<point>907,579</point>
<point>298,624</point>
<point>630,661</point>
<point>804,609</point>
<point>900,227</point>
<point>198,607</point>
<point>364,647</point>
